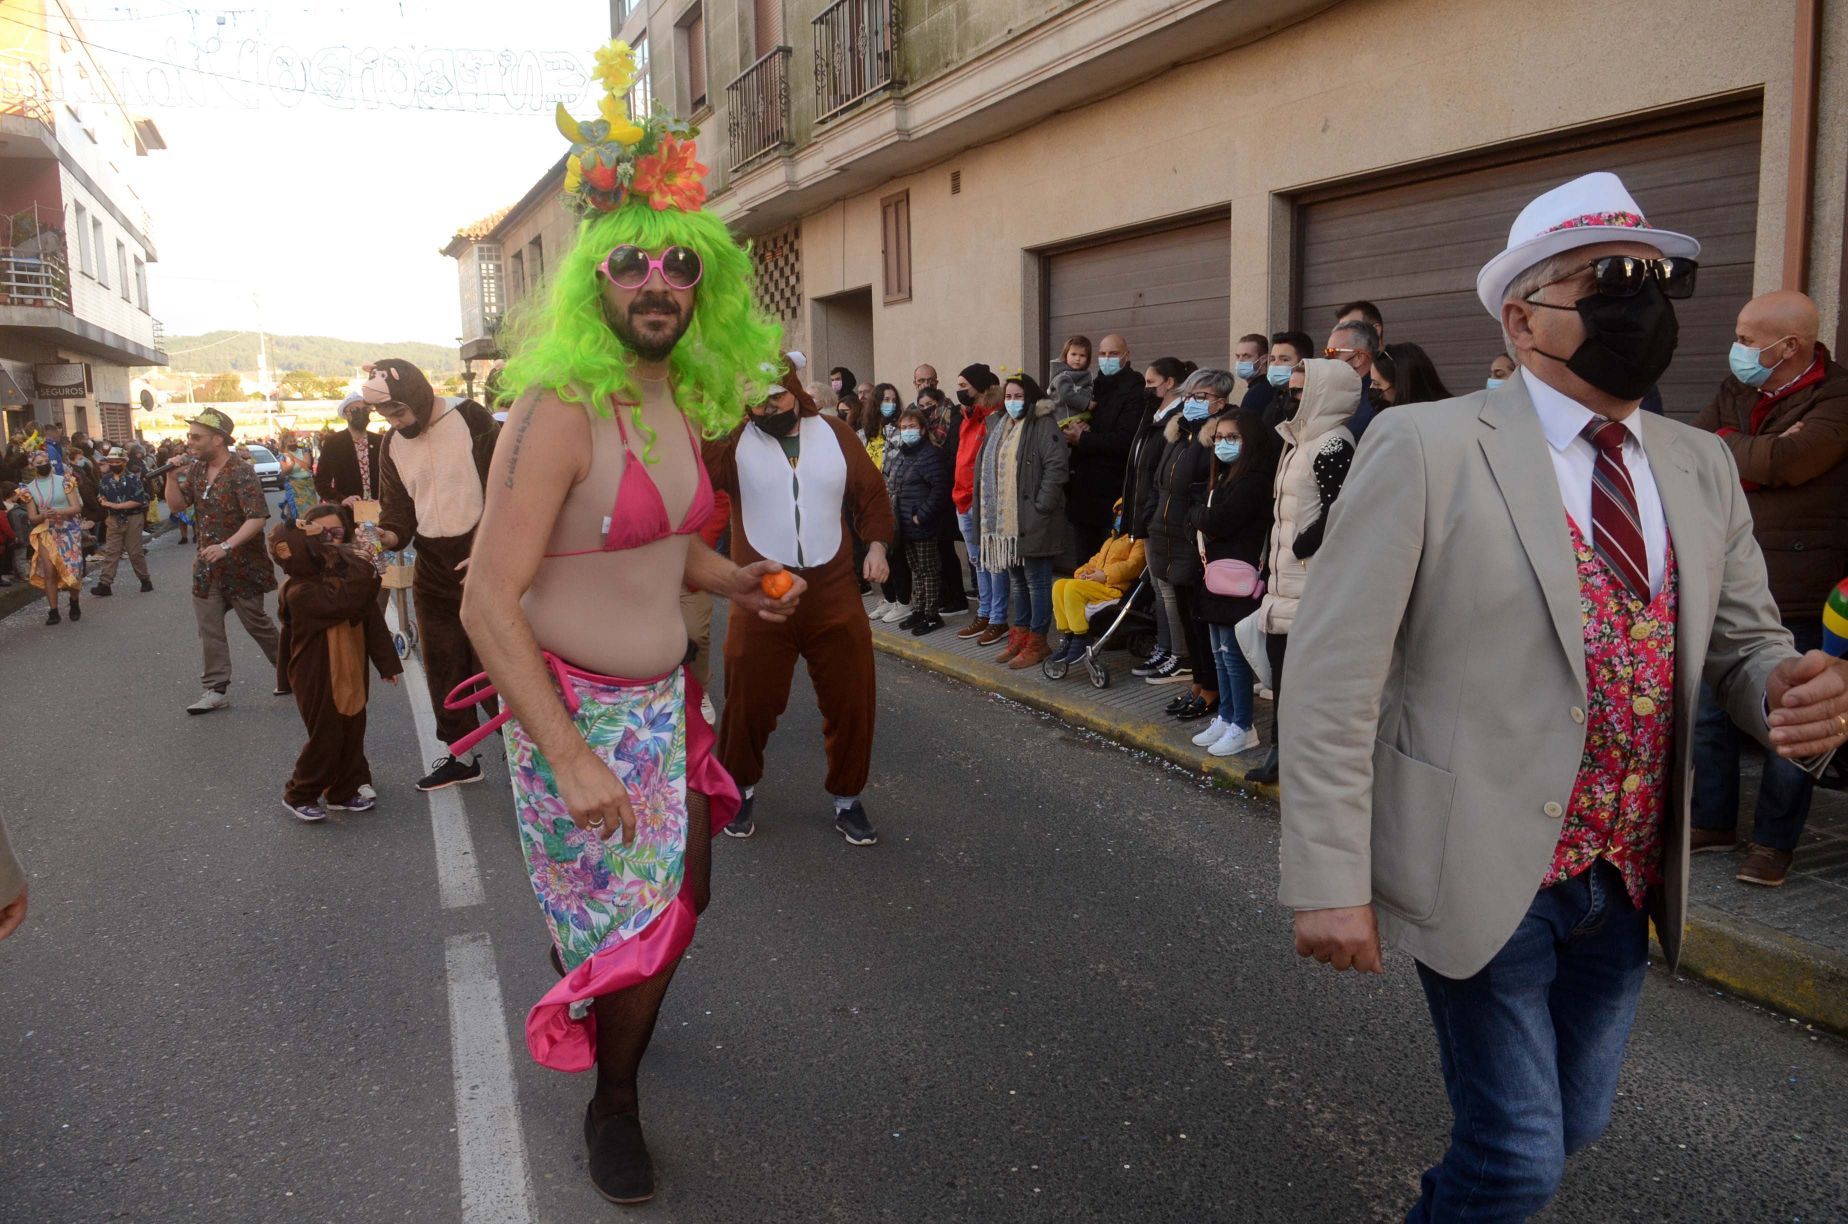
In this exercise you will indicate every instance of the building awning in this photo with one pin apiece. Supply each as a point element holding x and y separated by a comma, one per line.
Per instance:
<point>11,396</point>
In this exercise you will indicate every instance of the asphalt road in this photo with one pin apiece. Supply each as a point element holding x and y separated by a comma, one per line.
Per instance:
<point>1060,989</point>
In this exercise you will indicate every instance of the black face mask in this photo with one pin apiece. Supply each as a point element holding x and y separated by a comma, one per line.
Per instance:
<point>1629,341</point>
<point>778,424</point>
<point>965,399</point>
<point>43,469</point>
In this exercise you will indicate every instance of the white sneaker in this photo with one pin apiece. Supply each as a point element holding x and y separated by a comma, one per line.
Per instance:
<point>208,701</point>
<point>879,610</point>
<point>705,708</point>
<point>1213,731</point>
<point>1236,739</point>
<point>366,792</point>
<point>897,613</point>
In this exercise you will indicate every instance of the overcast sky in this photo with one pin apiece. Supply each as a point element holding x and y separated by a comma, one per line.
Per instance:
<point>326,210</point>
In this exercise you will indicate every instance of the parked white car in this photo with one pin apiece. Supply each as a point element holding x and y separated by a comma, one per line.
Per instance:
<point>269,468</point>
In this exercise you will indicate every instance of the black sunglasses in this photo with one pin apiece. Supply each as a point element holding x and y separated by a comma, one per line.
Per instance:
<point>1622,276</point>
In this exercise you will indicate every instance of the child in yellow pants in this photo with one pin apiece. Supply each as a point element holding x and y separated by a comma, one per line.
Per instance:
<point>1105,576</point>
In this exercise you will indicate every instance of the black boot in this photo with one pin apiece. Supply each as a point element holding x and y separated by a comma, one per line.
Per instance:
<point>1266,774</point>
<point>52,617</point>
<point>147,584</point>
<point>76,608</point>
<point>620,1168</point>
<point>101,590</point>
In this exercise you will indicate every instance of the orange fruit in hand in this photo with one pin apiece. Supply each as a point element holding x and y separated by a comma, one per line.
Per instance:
<point>777,585</point>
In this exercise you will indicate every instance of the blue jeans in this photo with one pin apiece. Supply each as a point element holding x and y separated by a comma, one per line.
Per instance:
<point>1531,1046</point>
<point>990,589</point>
<point>1030,593</point>
<point>1784,791</point>
<point>1235,676</point>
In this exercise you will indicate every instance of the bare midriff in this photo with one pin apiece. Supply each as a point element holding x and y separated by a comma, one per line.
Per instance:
<point>618,613</point>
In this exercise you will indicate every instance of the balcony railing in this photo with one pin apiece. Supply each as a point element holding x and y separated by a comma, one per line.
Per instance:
<point>856,53</point>
<point>757,108</point>
<point>34,280</point>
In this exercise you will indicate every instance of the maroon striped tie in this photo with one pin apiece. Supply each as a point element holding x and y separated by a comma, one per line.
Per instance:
<point>1617,527</point>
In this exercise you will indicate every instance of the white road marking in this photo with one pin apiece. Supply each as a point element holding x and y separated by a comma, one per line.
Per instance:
<point>497,1187</point>
<point>458,879</point>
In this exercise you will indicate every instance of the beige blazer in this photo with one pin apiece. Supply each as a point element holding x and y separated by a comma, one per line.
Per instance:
<point>12,872</point>
<point>1434,718</point>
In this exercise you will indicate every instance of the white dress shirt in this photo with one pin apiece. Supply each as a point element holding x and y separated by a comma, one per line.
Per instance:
<point>1563,420</point>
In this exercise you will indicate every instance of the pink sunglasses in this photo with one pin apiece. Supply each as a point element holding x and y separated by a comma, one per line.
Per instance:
<point>629,267</point>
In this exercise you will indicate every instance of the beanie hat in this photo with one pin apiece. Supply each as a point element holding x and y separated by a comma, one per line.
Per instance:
<point>979,376</point>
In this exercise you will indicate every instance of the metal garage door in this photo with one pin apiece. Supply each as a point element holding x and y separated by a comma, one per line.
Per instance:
<point>1414,248</point>
<point>1166,293</point>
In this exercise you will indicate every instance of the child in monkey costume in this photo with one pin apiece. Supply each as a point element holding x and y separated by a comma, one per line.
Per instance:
<point>795,477</point>
<point>331,625</point>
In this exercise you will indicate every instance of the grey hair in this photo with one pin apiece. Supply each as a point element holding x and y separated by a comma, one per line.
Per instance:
<point>1191,381</point>
<point>1218,383</point>
<point>1365,334</point>
<point>1530,281</point>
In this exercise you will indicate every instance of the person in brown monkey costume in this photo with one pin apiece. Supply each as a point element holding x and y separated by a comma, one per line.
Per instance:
<point>330,626</point>
<point>795,478</point>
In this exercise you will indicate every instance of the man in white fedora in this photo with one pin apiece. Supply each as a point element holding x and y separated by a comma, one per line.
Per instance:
<point>1495,774</point>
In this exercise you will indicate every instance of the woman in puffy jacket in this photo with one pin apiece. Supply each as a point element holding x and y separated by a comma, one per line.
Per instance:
<point>1231,523</point>
<point>918,480</point>
<point>1019,510</point>
<point>1317,449</point>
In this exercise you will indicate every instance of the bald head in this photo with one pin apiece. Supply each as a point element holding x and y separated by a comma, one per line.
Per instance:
<point>1782,326</point>
<point>1113,346</point>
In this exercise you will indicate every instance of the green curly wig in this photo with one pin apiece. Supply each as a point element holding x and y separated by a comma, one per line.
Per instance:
<point>728,359</point>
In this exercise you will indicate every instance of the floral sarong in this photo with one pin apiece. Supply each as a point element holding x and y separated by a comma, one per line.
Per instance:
<point>63,543</point>
<point>616,913</point>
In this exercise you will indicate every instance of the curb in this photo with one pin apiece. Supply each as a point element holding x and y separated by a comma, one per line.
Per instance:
<point>17,596</point>
<point>1755,962</point>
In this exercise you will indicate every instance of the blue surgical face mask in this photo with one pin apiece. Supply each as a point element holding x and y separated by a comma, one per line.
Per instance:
<point>888,408</point>
<point>1194,409</point>
<point>1108,366</point>
<point>1278,375</point>
<point>1494,383</point>
<point>1746,367</point>
<point>1246,369</point>
<point>1226,449</point>
<point>1015,407</point>
<point>910,435</point>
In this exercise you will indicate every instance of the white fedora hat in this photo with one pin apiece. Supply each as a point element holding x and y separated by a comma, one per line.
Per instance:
<point>1592,208</point>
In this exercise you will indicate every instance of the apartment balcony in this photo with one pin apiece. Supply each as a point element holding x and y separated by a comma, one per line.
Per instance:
<point>856,53</point>
<point>757,108</point>
<point>34,280</point>
<point>36,300</point>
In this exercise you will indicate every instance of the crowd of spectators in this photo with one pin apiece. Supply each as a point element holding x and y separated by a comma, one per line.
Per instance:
<point>1210,488</point>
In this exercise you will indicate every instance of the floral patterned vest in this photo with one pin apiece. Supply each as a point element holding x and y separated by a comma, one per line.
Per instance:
<point>1621,795</point>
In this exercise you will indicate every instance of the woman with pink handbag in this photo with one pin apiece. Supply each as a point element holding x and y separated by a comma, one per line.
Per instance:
<point>1231,523</point>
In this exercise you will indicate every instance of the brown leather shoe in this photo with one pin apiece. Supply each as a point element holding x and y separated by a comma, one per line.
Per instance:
<point>1016,638</point>
<point>1765,867</point>
<point>1033,652</point>
<point>974,629</point>
<point>1712,841</point>
<point>991,635</point>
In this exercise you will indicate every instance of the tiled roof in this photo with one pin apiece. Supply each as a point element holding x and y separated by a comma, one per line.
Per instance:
<point>475,231</point>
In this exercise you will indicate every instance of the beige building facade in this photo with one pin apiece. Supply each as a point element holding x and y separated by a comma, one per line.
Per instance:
<point>967,180</point>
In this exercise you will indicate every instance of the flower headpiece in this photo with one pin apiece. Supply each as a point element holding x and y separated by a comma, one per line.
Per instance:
<point>617,157</point>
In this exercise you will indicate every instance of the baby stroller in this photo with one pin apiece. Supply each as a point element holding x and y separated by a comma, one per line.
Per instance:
<point>1130,611</point>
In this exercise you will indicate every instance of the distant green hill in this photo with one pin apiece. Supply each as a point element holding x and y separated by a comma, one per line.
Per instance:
<point>229,350</point>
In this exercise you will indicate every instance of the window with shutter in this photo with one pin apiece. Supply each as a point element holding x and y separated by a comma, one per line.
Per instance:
<point>895,242</point>
<point>767,25</point>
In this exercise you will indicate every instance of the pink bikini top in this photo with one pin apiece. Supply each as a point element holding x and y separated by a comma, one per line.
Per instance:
<point>640,516</point>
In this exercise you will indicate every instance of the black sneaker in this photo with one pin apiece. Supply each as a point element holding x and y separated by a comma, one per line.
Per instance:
<point>147,584</point>
<point>742,825</point>
<point>1265,774</point>
<point>911,622</point>
<point>929,624</point>
<point>447,771</point>
<point>620,1167</point>
<point>101,590</point>
<point>854,826</point>
<point>1174,707</point>
<point>1170,672</point>
<point>954,609</point>
<point>1151,664</point>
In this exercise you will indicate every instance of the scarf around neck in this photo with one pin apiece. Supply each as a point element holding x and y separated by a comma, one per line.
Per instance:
<point>1000,524</point>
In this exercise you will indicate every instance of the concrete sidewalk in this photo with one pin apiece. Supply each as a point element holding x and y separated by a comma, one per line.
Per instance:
<point>1786,948</point>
